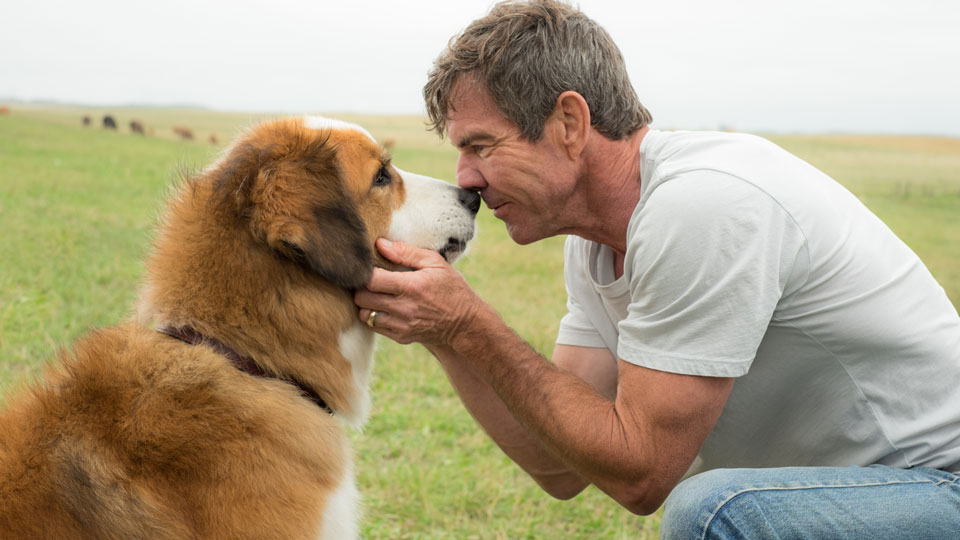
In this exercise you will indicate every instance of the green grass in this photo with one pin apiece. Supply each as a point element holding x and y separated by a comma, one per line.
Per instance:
<point>77,206</point>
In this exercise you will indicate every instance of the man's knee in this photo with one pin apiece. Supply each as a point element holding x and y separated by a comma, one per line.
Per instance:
<point>710,502</point>
<point>812,502</point>
<point>691,503</point>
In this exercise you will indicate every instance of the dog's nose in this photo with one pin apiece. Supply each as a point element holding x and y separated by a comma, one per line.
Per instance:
<point>470,200</point>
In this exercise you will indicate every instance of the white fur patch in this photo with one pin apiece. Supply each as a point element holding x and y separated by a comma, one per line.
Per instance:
<point>357,346</point>
<point>431,214</point>
<point>342,513</point>
<point>322,122</point>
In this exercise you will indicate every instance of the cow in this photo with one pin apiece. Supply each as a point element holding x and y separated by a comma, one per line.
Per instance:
<point>184,133</point>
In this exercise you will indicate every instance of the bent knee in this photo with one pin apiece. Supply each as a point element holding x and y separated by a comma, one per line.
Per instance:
<point>693,507</point>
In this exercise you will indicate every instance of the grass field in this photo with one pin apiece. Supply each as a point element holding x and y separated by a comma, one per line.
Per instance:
<point>77,206</point>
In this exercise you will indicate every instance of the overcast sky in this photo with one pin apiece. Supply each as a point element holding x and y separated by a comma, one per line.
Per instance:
<point>873,66</point>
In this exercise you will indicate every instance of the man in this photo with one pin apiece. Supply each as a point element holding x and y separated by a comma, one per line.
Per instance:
<point>729,307</point>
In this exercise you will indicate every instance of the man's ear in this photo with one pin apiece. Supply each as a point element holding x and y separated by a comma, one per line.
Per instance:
<point>572,117</point>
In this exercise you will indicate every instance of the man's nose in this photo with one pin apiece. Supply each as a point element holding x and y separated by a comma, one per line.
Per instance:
<point>468,177</point>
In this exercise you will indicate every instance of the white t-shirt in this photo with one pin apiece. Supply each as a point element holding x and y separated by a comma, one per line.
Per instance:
<point>744,261</point>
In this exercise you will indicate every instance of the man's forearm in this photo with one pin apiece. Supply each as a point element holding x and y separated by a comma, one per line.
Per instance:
<point>567,417</point>
<point>498,422</point>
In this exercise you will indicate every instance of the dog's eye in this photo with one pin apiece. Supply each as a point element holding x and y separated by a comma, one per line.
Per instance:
<point>383,177</point>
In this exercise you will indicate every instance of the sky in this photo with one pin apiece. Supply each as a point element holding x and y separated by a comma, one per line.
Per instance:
<point>771,66</point>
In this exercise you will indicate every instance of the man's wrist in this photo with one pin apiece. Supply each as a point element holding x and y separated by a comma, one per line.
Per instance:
<point>472,333</point>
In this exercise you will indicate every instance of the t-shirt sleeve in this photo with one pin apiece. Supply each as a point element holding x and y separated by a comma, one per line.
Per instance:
<point>576,327</point>
<point>709,256</point>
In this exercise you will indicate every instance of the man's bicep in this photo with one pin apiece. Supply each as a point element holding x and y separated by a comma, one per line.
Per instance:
<point>596,366</point>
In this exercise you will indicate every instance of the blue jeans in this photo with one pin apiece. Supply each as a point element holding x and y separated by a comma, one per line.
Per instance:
<point>872,503</point>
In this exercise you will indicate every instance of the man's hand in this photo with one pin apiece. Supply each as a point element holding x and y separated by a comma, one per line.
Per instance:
<point>429,305</point>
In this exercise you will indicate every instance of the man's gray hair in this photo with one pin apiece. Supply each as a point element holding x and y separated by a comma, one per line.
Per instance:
<point>525,54</point>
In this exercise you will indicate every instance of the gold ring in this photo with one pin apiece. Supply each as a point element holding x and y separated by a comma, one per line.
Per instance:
<point>372,319</point>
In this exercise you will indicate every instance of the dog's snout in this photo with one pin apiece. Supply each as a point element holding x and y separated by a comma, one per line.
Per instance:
<point>470,200</point>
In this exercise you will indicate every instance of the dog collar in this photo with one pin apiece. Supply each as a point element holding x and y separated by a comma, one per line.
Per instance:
<point>245,364</point>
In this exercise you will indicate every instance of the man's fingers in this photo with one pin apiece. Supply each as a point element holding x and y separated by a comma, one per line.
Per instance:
<point>385,282</point>
<point>376,320</point>
<point>380,323</point>
<point>372,317</point>
<point>406,255</point>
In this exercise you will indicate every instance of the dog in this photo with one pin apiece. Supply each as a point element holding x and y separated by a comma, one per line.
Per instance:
<point>219,410</point>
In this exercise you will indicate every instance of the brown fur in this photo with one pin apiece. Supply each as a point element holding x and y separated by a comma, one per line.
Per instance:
<point>139,435</point>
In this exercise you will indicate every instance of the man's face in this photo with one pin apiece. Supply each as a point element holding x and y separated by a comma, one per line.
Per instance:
<point>526,184</point>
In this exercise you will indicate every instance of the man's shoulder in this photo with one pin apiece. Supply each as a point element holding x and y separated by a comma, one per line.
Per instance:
<point>719,160</point>
<point>673,139</point>
<point>702,149</point>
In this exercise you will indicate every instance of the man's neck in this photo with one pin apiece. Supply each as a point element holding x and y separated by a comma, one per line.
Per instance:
<point>611,189</point>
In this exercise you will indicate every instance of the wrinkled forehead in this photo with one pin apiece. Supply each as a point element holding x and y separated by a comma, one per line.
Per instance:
<point>322,122</point>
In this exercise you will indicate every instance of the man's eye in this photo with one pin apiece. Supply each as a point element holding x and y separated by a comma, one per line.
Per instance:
<point>383,177</point>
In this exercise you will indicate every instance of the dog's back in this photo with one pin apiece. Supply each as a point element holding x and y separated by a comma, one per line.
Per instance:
<point>138,435</point>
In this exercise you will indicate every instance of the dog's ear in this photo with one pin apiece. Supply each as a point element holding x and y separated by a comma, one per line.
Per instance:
<point>331,242</point>
<point>293,199</point>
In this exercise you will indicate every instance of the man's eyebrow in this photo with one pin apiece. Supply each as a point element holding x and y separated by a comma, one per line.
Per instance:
<point>467,140</point>
<point>474,137</point>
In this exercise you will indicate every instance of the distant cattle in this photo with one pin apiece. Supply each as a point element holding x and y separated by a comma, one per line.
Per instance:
<point>136,127</point>
<point>389,144</point>
<point>87,120</point>
<point>183,133</point>
<point>213,138</point>
<point>4,109</point>
<point>109,122</point>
